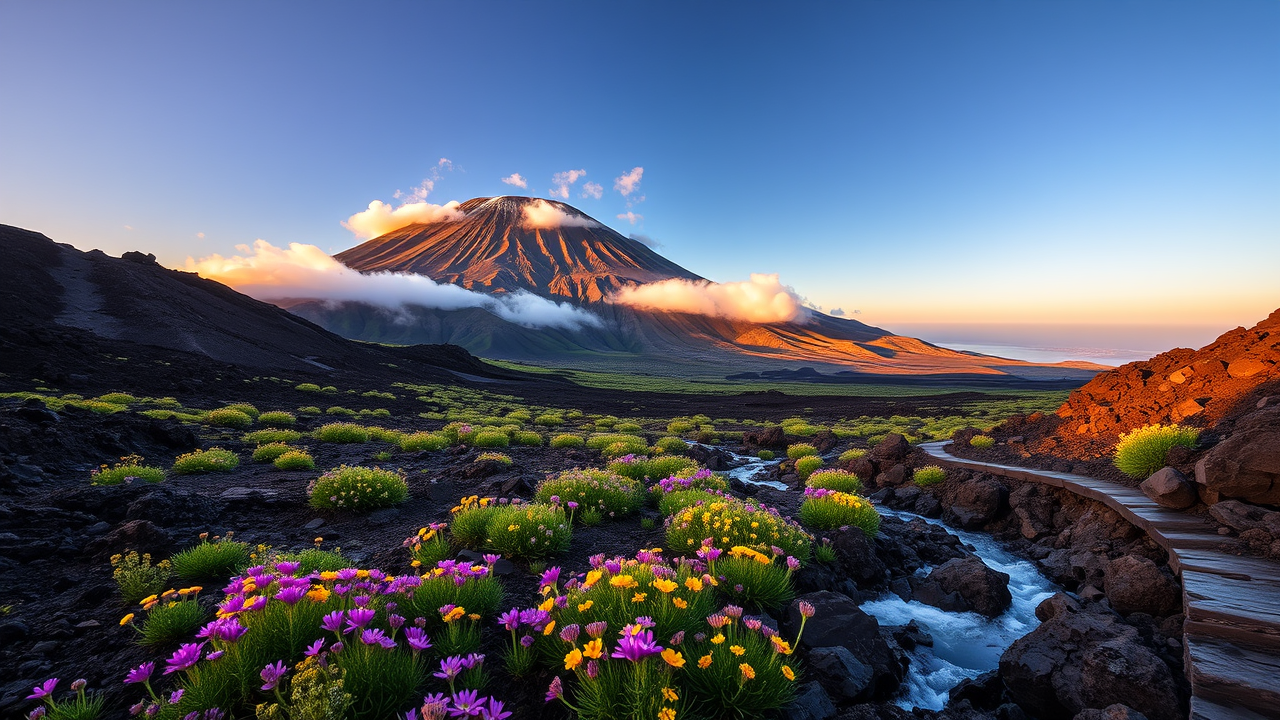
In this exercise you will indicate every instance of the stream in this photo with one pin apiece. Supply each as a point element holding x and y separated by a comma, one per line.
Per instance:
<point>965,645</point>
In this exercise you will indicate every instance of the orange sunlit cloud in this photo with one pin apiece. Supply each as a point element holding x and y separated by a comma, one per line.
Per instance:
<point>762,299</point>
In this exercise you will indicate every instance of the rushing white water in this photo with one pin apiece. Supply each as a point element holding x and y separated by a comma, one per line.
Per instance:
<point>965,645</point>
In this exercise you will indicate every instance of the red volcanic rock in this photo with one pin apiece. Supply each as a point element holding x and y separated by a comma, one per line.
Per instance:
<point>1245,465</point>
<point>1170,488</point>
<point>1135,584</point>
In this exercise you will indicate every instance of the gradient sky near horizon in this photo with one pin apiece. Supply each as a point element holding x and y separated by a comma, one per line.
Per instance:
<point>986,164</point>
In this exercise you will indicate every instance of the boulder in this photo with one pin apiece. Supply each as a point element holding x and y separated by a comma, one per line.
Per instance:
<point>770,437</point>
<point>1169,488</point>
<point>811,703</point>
<point>141,535</point>
<point>1245,466</point>
<point>711,458</point>
<point>892,449</point>
<point>861,467</point>
<point>838,622</point>
<point>1135,584</point>
<point>1239,516</point>
<point>1246,367</point>
<point>965,585</point>
<point>845,678</point>
<point>1033,506</point>
<point>893,477</point>
<point>976,503</point>
<point>856,559</point>
<point>1110,712</point>
<point>1076,660</point>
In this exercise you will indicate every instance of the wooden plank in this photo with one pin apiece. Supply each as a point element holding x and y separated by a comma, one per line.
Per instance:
<point>1221,563</point>
<point>1202,709</point>
<point>1227,673</point>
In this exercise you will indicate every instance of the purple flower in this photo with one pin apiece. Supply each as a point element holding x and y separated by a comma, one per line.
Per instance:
<point>569,633</point>
<point>417,638</point>
<point>494,710</point>
<point>450,668</point>
<point>314,648</point>
<point>38,713</point>
<point>257,603</point>
<point>792,564</point>
<point>227,629</point>
<point>361,600</point>
<point>140,674</point>
<point>43,690</point>
<point>555,499</point>
<point>593,669</point>
<point>572,505</point>
<point>183,658</point>
<point>175,696</point>
<point>492,559</point>
<point>526,641</point>
<point>613,566</point>
<point>677,638</point>
<point>466,703</point>
<point>271,675</point>
<point>377,637</point>
<point>214,714</point>
<point>333,621</point>
<point>358,618</point>
<point>556,690</point>
<point>732,611</point>
<point>153,710</point>
<point>336,647</point>
<point>433,707</point>
<point>193,715</point>
<point>473,661</point>
<point>636,647</point>
<point>136,708</point>
<point>597,628</point>
<point>510,619</point>
<point>288,567</point>
<point>213,655</point>
<point>550,577</point>
<point>395,621</point>
<point>291,596</point>
<point>645,621</point>
<point>348,574</point>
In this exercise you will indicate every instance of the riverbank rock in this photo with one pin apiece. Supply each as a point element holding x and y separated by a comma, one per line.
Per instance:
<point>965,585</point>
<point>1135,584</point>
<point>839,623</point>
<point>1077,659</point>
<point>1247,464</point>
<point>1170,488</point>
<point>891,450</point>
<point>976,503</point>
<point>765,438</point>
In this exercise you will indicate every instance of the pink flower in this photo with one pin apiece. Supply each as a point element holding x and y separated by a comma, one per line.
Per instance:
<point>43,690</point>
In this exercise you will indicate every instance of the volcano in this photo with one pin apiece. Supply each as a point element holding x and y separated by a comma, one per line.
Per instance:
<point>518,244</point>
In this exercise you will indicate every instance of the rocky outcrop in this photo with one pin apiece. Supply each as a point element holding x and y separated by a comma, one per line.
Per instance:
<point>1247,464</point>
<point>976,503</point>
<point>869,668</point>
<point>1077,659</point>
<point>965,585</point>
<point>1135,584</point>
<point>1170,488</point>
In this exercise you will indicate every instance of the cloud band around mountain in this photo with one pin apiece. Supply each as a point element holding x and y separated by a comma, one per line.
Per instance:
<point>762,299</point>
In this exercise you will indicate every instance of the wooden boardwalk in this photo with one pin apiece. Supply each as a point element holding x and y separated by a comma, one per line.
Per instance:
<point>1231,637</point>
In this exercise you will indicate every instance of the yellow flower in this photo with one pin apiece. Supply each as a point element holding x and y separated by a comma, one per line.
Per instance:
<point>623,581</point>
<point>679,602</point>
<point>473,616</point>
<point>593,577</point>
<point>674,659</point>
<point>328,576</point>
<point>737,650</point>
<point>664,585</point>
<point>550,628</point>
<point>148,599</point>
<point>454,614</point>
<point>748,672</point>
<point>639,597</point>
<point>573,659</point>
<point>719,638</point>
<point>788,673</point>
<point>126,619</point>
<point>318,594</point>
<point>669,695</point>
<point>594,649</point>
<point>547,605</point>
<point>780,646</point>
<point>667,713</point>
<point>585,606</point>
<point>416,563</point>
<point>704,662</point>
<point>693,584</point>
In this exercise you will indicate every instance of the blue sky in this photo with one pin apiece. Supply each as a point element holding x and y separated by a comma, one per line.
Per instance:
<point>921,162</point>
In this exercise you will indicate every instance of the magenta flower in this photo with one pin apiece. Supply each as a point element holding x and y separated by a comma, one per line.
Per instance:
<point>613,566</point>
<point>569,633</point>
<point>140,674</point>
<point>213,655</point>
<point>494,710</point>
<point>433,707</point>
<point>395,621</point>
<point>271,675</point>
<point>314,648</point>
<point>636,647</point>
<point>792,564</point>
<point>257,603</point>
<point>183,658</point>
<point>38,713</point>
<point>417,639</point>
<point>466,703</point>
<point>450,668</point>
<point>358,618</point>
<point>492,559</point>
<point>593,669</point>
<point>597,628</point>
<point>473,661</point>
<point>43,690</point>
<point>806,610</point>
<point>176,695</point>
<point>291,596</point>
<point>572,505</point>
<point>510,619</point>
<point>556,690</point>
<point>333,621</point>
<point>550,577</point>
<point>288,567</point>
<point>377,637</point>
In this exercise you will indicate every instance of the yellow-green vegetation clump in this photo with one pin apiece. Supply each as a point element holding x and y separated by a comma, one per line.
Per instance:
<point>270,452</point>
<point>228,418</point>
<point>420,441</point>
<point>799,450</point>
<point>852,454</point>
<point>129,468</point>
<point>728,522</point>
<point>514,529</point>
<point>263,437</point>
<point>825,509</point>
<point>604,491</point>
<point>206,461</point>
<point>342,433</point>
<point>928,475</point>
<point>982,442</point>
<point>1141,452</point>
<point>358,488</point>
<point>838,480</point>
<point>278,418</point>
<point>806,465</point>
<point>295,460</point>
<point>567,440</point>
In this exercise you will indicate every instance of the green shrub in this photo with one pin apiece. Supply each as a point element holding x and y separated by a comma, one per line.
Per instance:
<point>308,410</point>
<point>171,621</point>
<point>628,428</point>
<point>640,468</point>
<point>730,522</point>
<point>339,410</point>
<point>278,418</point>
<point>1141,452</point>
<point>245,408</point>
<point>358,488</point>
<point>263,437</point>
<point>500,458</point>
<point>295,460</point>
<point>307,387</point>
<point>839,480</point>
<point>548,420</point>
<point>525,437</point>
<point>982,442</point>
<point>330,389</point>
<point>600,441</point>
<point>806,465</point>
<point>129,468</point>
<point>377,394</point>
<point>137,578</point>
<point>206,461</point>
<point>567,441</point>
<point>471,521</point>
<point>211,560</point>
<point>377,412</point>
<point>342,433</point>
<point>419,441</point>
<point>317,560</point>
<point>228,418</point>
<point>765,455</point>
<point>824,552</point>
<point>755,579</point>
<point>605,423</point>
<point>928,475</point>
<point>851,454</point>
<point>677,500</point>
<point>386,435</point>
<point>829,509</point>
<point>528,530</point>
<point>799,450</point>
<point>490,439</point>
<point>680,427</point>
<point>607,492</point>
<point>671,445</point>
<point>270,452</point>
<point>117,398</point>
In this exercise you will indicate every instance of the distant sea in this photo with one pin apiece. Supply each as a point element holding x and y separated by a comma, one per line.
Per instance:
<point>1102,344</point>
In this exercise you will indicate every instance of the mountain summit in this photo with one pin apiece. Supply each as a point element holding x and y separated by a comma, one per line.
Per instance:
<point>508,243</point>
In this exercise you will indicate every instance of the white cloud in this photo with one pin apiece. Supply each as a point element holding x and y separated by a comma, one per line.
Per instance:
<point>200,235</point>
<point>592,190</point>
<point>381,219</point>
<point>836,312</point>
<point>762,299</point>
<point>562,180</point>
<point>516,179</point>
<point>631,217</point>
<point>628,182</point>
<point>445,163</point>
<point>303,271</point>
<point>645,240</point>
<point>418,194</point>
<point>128,227</point>
<point>542,215</point>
